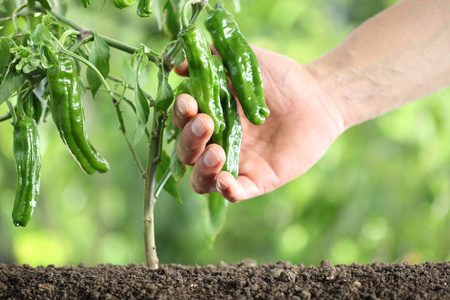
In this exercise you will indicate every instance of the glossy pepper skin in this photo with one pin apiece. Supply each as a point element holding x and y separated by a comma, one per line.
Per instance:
<point>241,63</point>
<point>202,74</point>
<point>28,166</point>
<point>32,107</point>
<point>231,137</point>
<point>68,116</point>
<point>124,3</point>
<point>145,8</point>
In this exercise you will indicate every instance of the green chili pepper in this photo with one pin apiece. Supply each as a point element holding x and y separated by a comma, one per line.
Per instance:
<point>230,139</point>
<point>28,166</point>
<point>124,3</point>
<point>32,107</point>
<point>68,115</point>
<point>202,74</point>
<point>86,3</point>
<point>241,63</point>
<point>145,8</point>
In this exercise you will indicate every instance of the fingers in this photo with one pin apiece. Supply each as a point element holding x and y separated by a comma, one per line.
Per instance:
<point>183,70</point>
<point>203,177</point>
<point>235,190</point>
<point>194,137</point>
<point>184,109</point>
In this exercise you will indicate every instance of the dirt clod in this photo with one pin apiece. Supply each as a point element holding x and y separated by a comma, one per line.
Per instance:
<point>243,280</point>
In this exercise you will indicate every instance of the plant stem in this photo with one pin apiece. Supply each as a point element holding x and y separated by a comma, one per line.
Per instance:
<point>150,193</point>
<point>111,42</point>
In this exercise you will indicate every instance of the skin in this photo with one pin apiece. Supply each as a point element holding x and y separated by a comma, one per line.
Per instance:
<point>398,56</point>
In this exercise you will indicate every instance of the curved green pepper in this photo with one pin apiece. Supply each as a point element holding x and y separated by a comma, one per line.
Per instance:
<point>124,3</point>
<point>145,8</point>
<point>28,166</point>
<point>202,74</point>
<point>241,63</point>
<point>68,116</point>
<point>231,137</point>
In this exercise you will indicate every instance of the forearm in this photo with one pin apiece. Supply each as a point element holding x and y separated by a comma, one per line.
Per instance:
<point>398,56</point>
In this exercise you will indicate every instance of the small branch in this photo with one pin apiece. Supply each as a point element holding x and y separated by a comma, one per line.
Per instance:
<point>163,181</point>
<point>147,95</point>
<point>111,42</point>
<point>124,132</point>
<point>5,117</point>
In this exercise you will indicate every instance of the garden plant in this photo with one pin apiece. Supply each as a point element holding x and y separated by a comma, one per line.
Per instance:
<point>44,64</point>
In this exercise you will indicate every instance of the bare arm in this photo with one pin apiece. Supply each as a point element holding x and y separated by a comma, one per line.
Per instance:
<point>398,56</point>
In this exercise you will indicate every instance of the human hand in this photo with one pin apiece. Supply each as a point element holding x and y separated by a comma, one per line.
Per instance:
<point>303,123</point>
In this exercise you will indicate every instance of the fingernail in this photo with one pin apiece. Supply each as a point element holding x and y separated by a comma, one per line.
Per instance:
<point>211,159</point>
<point>221,185</point>
<point>182,107</point>
<point>199,126</point>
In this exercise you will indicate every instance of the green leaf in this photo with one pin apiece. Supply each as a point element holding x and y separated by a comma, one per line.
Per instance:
<point>171,185</point>
<point>45,4</point>
<point>10,84</point>
<point>164,96</point>
<point>104,4</point>
<point>48,58</point>
<point>214,213</point>
<point>99,57</point>
<point>128,73</point>
<point>4,53</point>
<point>142,105</point>
<point>139,131</point>
<point>171,132</point>
<point>42,36</point>
<point>177,168</point>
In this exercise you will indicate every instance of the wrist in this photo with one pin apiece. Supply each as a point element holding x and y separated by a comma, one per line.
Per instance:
<point>330,95</point>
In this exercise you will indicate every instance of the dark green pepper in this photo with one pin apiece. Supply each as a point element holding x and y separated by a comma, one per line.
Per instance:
<point>145,8</point>
<point>241,63</point>
<point>231,137</point>
<point>202,74</point>
<point>124,3</point>
<point>68,115</point>
<point>28,166</point>
<point>184,88</point>
<point>32,107</point>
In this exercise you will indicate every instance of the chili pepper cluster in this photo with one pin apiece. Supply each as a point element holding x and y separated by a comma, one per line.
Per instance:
<point>208,80</point>
<point>68,115</point>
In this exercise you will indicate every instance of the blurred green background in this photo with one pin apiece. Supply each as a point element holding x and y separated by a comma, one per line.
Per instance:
<point>381,193</point>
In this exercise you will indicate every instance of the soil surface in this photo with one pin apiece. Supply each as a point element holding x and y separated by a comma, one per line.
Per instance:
<point>243,280</point>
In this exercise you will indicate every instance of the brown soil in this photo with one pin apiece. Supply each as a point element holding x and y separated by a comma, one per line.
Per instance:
<point>244,280</point>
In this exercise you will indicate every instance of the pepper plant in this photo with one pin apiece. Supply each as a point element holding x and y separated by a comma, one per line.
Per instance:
<point>41,62</point>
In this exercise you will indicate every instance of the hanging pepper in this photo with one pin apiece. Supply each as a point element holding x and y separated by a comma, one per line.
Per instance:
<point>231,137</point>
<point>241,63</point>
<point>28,166</point>
<point>202,74</point>
<point>124,3</point>
<point>68,115</point>
<point>32,107</point>
<point>145,8</point>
